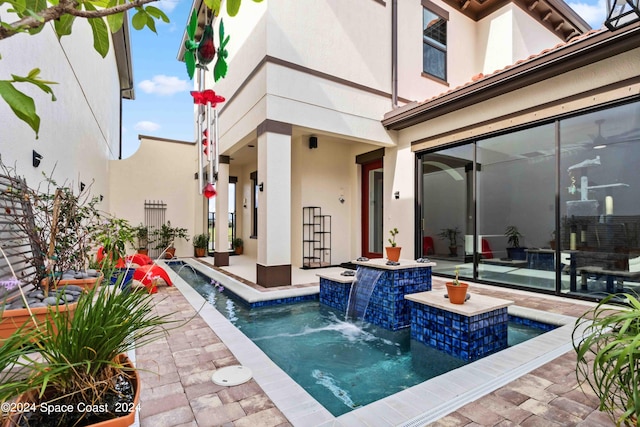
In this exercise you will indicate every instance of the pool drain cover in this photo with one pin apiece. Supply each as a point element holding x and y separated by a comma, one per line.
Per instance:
<point>232,375</point>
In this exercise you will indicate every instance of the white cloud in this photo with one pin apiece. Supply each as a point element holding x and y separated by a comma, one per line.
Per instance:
<point>167,5</point>
<point>146,126</point>
<point>164,85</point>
<point>594,14</point>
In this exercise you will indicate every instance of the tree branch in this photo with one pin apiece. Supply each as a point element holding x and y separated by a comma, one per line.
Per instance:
<point>67,7</point>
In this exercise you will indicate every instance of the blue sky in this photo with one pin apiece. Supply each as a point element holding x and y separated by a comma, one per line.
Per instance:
<point>163,106</point>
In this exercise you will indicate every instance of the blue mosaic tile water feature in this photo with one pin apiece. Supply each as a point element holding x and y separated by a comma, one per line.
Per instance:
<point>387,307</point>
<point>466,337</point>
<point>334,294</point>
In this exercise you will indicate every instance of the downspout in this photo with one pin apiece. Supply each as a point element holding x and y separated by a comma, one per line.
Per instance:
<point>120,142</point>
<point>394,53</point>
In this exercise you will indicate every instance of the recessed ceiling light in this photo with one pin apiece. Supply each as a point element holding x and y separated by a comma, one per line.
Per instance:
<point>599,147</point>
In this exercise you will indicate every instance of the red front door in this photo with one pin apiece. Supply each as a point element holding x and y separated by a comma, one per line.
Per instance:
<point>372,235</point>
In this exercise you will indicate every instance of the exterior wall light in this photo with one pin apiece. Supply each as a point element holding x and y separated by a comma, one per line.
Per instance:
<point>36,158</point>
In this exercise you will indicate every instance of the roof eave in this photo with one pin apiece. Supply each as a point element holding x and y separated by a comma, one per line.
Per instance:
<point>122,51</point>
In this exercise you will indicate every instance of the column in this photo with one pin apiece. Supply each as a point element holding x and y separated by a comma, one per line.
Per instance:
<point>273,267</point>
<point>221,253</point>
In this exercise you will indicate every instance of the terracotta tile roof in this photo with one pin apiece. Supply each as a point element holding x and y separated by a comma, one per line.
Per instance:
<point>481,76</point>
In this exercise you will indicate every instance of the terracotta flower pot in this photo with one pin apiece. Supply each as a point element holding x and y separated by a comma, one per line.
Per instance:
<point>144,251</point>
<point>88,283</point>
<point>239,250</point>
<point>200,252</point>
<point>393,253</point>
<point>14,319</point>
<point>457,294</point>
<point>170,253</point>
<point>122,421</point>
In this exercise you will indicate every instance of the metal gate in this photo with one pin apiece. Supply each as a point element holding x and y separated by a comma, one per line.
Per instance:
<point>154,218</point>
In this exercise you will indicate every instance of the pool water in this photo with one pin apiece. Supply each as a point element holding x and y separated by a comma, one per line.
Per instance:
<point>342,364</point>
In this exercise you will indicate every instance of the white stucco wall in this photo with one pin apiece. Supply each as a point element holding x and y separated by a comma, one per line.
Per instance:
<point>349,40</point>
<point>159,170</point>
<point>509,35</point>
<point>320,177</point>
<point>80,131</point>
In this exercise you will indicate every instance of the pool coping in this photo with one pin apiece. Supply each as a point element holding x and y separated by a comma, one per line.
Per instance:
<point>415,406</point>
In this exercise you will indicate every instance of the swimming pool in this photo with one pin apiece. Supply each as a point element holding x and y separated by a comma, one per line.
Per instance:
<point>343,365</point>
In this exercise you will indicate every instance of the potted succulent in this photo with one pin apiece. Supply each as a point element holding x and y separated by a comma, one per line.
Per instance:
<point>453,236</point>
<point>82,368</point>
<point>393,251</point>
<point>142,234</point>
<point>238,246</point>
<point>200,243</point>
<point>166,236</point>
<point>513,238</point>
<point>457,290</point>
<point>607,342</point>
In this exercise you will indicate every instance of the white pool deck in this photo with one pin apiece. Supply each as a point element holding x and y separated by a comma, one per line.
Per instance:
<point>415,406</point>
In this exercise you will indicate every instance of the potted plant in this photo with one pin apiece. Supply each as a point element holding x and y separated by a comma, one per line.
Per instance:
<point>83,367</point>
<point>238,245</point>
<point>166,236</point>
<point>513,239</point>
<point>58,229</point>
<point>453,236</point>
<point>200,243</point>
<point>20,313</point>
<point>113,235</point>
<point>607,342</point>
<point>457,290</point>
<point>142,234</point>
<point>393,251</point>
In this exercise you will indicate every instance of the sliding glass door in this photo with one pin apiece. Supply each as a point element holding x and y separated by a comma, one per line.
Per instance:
<point>446,217</point>
<point>515,207</point>
<point>551,207</point>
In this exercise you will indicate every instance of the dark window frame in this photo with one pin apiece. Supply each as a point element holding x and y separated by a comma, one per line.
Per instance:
<point>443,14</point>
<point>254,204</point>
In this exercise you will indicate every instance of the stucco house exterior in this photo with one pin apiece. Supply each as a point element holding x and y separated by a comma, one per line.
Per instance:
<point>80,131</point>
<point>338,112</point>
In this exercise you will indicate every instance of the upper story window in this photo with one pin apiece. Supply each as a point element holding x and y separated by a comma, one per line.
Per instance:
<point>434,42</point>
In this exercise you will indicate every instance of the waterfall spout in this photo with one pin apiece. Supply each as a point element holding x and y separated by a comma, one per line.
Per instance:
<point>361,290</point>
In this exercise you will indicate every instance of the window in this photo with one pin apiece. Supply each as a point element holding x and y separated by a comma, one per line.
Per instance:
<point>434,44</point>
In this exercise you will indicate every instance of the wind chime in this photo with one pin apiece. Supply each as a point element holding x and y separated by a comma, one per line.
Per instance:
<point>199,55</point>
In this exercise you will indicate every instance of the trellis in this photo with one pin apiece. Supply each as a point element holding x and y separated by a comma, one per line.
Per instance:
<point>21,254</point>
<point>154,218</point>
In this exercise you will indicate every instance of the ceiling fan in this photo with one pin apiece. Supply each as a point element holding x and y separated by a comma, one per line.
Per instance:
<point>599,141</point>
